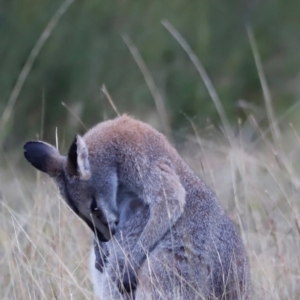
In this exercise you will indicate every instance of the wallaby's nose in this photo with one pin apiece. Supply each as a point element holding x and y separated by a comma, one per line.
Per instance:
<point>113,227</point>
<point>113,230</point>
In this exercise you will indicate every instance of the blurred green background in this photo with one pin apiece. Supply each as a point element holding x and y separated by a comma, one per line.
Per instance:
<point>86,50</point>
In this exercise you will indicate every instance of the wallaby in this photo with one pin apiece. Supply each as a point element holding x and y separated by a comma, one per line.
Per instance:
<point>176,242</point>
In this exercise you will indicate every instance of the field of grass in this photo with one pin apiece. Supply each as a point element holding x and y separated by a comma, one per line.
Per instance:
<point>44,247</point>
<point>254,170</point>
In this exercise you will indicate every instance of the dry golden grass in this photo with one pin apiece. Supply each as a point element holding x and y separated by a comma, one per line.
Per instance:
<point>44,247</point>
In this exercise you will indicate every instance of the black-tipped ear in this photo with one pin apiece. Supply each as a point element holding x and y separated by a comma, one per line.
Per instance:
<point>78,159</point>
<point>44,157</point>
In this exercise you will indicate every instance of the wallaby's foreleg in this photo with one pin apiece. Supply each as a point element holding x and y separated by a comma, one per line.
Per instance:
<point>101,254</point>
<point>166,198</point>
<point>104,283</point>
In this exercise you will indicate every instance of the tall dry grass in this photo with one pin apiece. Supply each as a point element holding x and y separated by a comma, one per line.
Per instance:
<point>45,247</point>
<point>255,173</point>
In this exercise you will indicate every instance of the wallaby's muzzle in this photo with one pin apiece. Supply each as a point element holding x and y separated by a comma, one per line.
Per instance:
<point>108,229</point>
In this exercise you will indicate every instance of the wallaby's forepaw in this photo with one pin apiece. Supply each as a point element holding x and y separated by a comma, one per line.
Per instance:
<point>129,281</point>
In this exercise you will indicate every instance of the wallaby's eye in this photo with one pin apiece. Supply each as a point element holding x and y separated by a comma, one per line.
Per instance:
<point>94,205</point>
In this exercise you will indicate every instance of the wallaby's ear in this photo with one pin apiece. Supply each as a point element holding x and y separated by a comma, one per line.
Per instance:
<point>44,157</point>
<point>78,159</point>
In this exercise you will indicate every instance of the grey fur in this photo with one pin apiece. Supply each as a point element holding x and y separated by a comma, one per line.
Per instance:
<point>172,238</point>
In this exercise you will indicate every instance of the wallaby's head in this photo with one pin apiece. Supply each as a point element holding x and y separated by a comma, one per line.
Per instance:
<point>82,183</point>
